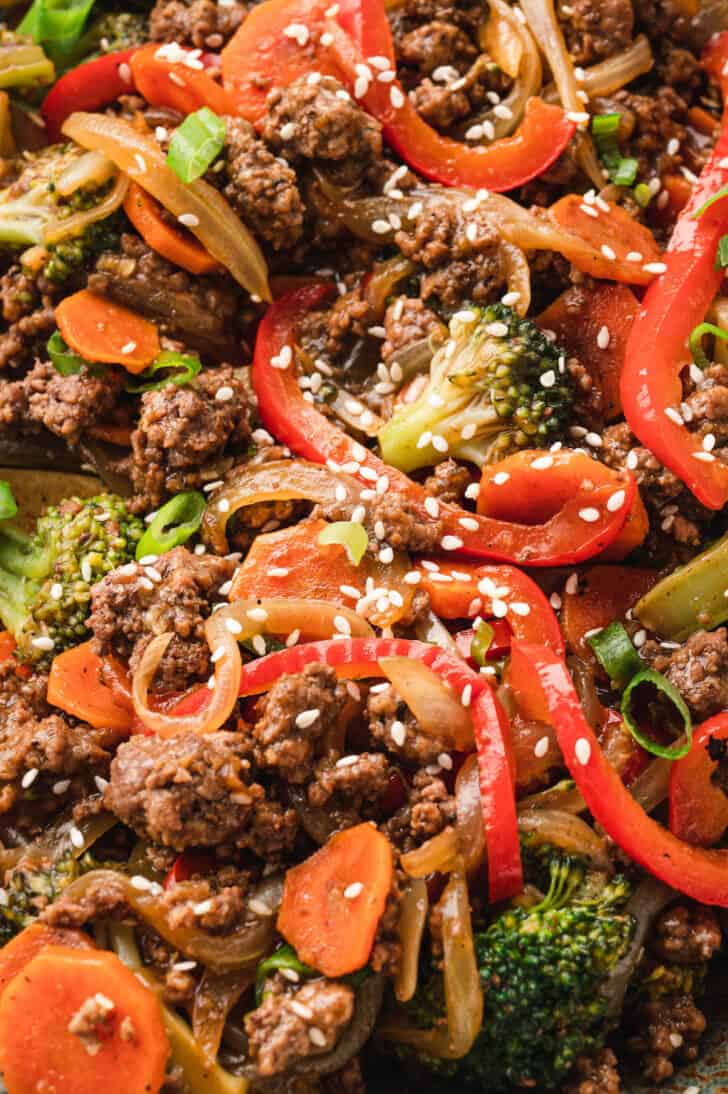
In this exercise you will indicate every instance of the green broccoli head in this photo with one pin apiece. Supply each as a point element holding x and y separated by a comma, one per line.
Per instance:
<point>46,578</point>
<point>31,887</point>
<point>71,256</point>
<point>542,968</point>
<point>495,385</point>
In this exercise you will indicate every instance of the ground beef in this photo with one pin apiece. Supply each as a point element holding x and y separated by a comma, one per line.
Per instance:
<point>404,529</point>
<point>135,603</point>
<point>595,29</point>
<point>199,310</point>
<point>25,337</point>
<point>18,294</point>
<point>435,45</point>
<point>686,934</point>
<point>698,669</point>
<point>393,727</point>
<point>648,124</point>
<point>31,691</point>
<point>202,23</point>
<point>288,1026</point>
<point>462,255</point>
<point>408,320</point>
<point>296,717</point>
<point>183,431</point>
<point>261,187</point>
<point>668,1029</point>
<point>448,482</point>
<point>661,19</point>
<point>349,317</point>
<point>706,408</point>
<point>314,121</point>
<point>196,791</point>
<point>350,788</point>
<point>201,904</point>
<point>67,405</point>
<point>430,808</point>
<point>595,1074</point>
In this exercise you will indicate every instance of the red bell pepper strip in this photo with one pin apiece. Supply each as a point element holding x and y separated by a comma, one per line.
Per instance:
<point>566,538</point>
<point>699,873</point>
<point>89,86</point>
<point>465,590</point>
<point>699,808</point>
<point>674,304</point>
<point>187,864</point>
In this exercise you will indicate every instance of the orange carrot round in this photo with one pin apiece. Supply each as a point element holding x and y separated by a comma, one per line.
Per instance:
<point>176,246</point>
<point>97,329</point>
<point>75,686</point>
<point>78,1022</point>
<point>332,902</point>
<point>21,950</point>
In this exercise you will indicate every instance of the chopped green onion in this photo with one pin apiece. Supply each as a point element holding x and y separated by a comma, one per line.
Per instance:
<point>622,170</point>
<point>65,361</point>
<point>616,653</point>
<point>717,196</point>
<point>195,144</point>
<point>8,504</point>
<point>481,642</point>
<point>168,359</point>
<point>642,194</point>
<point>348,534</point>
<point>173,524</point>
<point>658,681</point>
<point>625,172</point>
<point>284,958</point>
<point>57,24</point>
<point>605,125</point>
<point>721,259</point>
<point>696,338</point>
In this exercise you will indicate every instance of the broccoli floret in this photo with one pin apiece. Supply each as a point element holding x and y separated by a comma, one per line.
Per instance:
<point>495,385</point>
<point>72,255</point>
<point>541,968</point>
<point>46,578</point>
<point>113,31</point>
<point>31,887</point>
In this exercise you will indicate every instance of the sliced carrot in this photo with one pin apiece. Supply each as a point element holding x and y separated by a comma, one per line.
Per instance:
<point>7,646</point>
<point>21,950</point>
<point>530,496</point>
<point>177,246</point>
<point>702,120</point>
<point>113,434</point>
<point>100,330</point>
<point>176,85</point>
<point>126,1053</point>
<point>679,191</point>
<point>616,231</point>
<point>577,317</point>
<point>75,686</point>
<point>605,594</point>
<point>332,932</point>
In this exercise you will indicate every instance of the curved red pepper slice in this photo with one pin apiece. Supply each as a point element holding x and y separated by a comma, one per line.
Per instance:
<point>699,808</point>
<point>563,540</point>
<point>464,589</point>
<point>674,304</point>
<point>89,86</point>
<point>699,873</point>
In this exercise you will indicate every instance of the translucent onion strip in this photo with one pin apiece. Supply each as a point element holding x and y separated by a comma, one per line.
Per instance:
<point>411,926</point>
<point>61,228</point>
<point>437,710</point>
<point>567,831</point>
<point>621,69</point>
<point>219,230</point>
<point>518,276</point>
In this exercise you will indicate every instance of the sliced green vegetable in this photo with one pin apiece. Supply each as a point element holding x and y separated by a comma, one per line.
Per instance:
<point>642,194</point>
<point>696,338</point>
<point>8,505</point>
<point>173,524</point>
<point>23,64</point>
<point>195,144</point>
<point>481,642</point>
<point>616,653</point>
<point>178,368</point>
<point>721,258</point>
<point>348,534</point>
<point>68,363</point>
<point>717,196</point>
<point>666,689</point>
<point>622,170</point>
<point>284,958</point>
<point>691,598</point>
<point>56,24</point>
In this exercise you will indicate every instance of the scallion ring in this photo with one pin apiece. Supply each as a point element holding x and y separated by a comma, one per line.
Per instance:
<point>616,653</point>
<point>284,958</point>
<point>661,684</point>
<point>481,642</point>
<point>65,361</point>
<point>696,338</point>
<point>183,367</point>
<point>173,524</point>
<point>195,144</point>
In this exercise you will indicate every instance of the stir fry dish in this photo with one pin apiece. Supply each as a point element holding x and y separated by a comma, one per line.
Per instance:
<point>363,544</point>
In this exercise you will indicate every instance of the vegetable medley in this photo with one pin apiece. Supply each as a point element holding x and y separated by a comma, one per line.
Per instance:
<point>363,548</point>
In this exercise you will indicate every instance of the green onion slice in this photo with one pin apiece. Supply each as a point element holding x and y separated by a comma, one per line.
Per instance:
<point>8,504</point>
<point>348,534</point>
<point>57,23</point>
<point>481,642</point>
<point>721,258</point>
<point>616,653</point>
<point>173,524</point>
<point>642,194</point>
<point>284,958</point>
<point>622,170</point>
<point>717,196</point>
<point>68,363</point>
<point>180,369</point>
<point>195,144</point>
<point>696,338</point>
<point>658,681</point>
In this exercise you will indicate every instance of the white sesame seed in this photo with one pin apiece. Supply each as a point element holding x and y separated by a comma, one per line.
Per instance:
<point>76,837</point>
<point>56,591</point>
<point>316,1037</point>
<point>593,440</point>
<point>234,626</point>
<point>501,477</point>
<point>603,337</point>
<point>709,442</point>
<point>439,443</point>
<point>223,506</point>
<point>203,907</point>
<point>581,117</point>
<point>413,577</point>
<point>466,695</point>
<point>582,751</point>
<point>589,515</point>
<point>258,615</point>
<point>351,892</point>
<point>101,783</point>
<point>398,733</point>
<point>499,609</point>
<point>510,298</point>
<point>616,501</point>
<point>432,506</point>
<point>139,158</point>
<point>541,747</point>
<point>307,717</point>
<point>548,379</point>
<point>608,252</point>
<point>451,543</point>
<point>29,778</point>
<point>639,638</point>
<point>705,457</point>
<point>589,210</point>
<point>125,74</point>
<point>396,97</point>
<point>654,267</point>
<point>43,642</point>
<point>224,394</point>
<point>386,555</point>
<point>519,607</point>
<point>190,220</point>
<point>572,584</point>
<point>542,463</point>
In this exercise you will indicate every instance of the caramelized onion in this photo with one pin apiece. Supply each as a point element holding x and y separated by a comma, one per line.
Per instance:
<point>411,926</point>
<point>215,997</point>
<point>567,831</point>
<point>621,69</point>
<point>469,809</point>
<point>437,856</point>
<point>56,843</point>
<point>438,711</point>
<point>518,276</point>
<point>510,43</point>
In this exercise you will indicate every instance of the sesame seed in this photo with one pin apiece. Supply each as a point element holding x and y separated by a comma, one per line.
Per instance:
<point>76,837</point>
<point>542,463</point>
<point>398,733</point>
<point>582,751</point>
<point>589,515</point>
<point>203,907</point>
<point>499,609</point>
<point>234,626</point>
<point>510,299</point>
<point>497,330</point>
<point>608,252</point>
<point>439,443</point>
<point>190,220</point>
<point>581,117</point>
<point>29,778</point>
<point>101,783</point>
<point>548,379</point>
<point>342,624</point>
<point>589,210</point>
<point>224,394</point>
<point>386,555</point>
<point>640,638</point>
<point>56,591</point>
<point>43,642</point>
<point>572,584</point>
<point>349,761</point>
<point>541,747</point>
<point>466,698</point>
<point>501,477</point>
<point>396,97</point>
<point>593,440</point>
<point>351,892</point>
<point>125,74</point>
<point>673,415</point>
<point>258,615</point>
<point>259,907</point>
<point>705,457</point>
<point>223,506</point>
<point>217,654</point>
<point>519,607</point>
<point>603,337</point>
<point>654,267</point>
<point>413,577</point>
<point>141,165</point>
<point>555,601</point>
<point>432,506</point>
<point>451,543</point>
<point>316,1037</point>
<point>634,256</point>
<point>616,501</point>
<point>307,717</point>
<point>709,442</point>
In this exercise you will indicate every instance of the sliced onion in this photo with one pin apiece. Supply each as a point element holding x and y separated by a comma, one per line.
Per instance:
<point>501,38</point>
<point>621,69</point>
<point>437,856</point>
<point>215,997</point>
<point>430,628</point>
<point>518,276</point>
<point>341,403</point>
<point>563,796</point>
<point>70,226</point>
<point>411,926</point>
<point>279,480</point>
<point>469,809</point>
<point>383,281</point>
<point>547,32</point>
<point>439,713</point>
<point>651,785</point>
<point>90,169</point>
<point>567,831</point>
<point>56,843</point>
<point>219,230</point>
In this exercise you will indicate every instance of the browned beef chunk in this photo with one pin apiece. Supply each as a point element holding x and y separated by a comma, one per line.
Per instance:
<point>595,1074</point>
<point>668,1030</point>
<point>407,320</point>
<point>25,337</point>
<point>448,482</point>
<point>196,791</point>
<point>205,904</point>
<point>31,691</point>
<point>429,809</point>
<point>18,294</point>
<point>707,405</point>
<point>394,728</point>
<point>182,431</point>
<point>261,188</point>
<point>686,934</point>
<point>134,603</point>
<point>290,1025</point>
<point>403,529</point>
<point>202,23</point>
<point>435,45</point>
<point>199,310</point>
<point>595,29</point>
<point>649,123</point>
<point>698,669</point>
<point>350,787</point>
<point>296,717</point>
<point>67,405</point>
